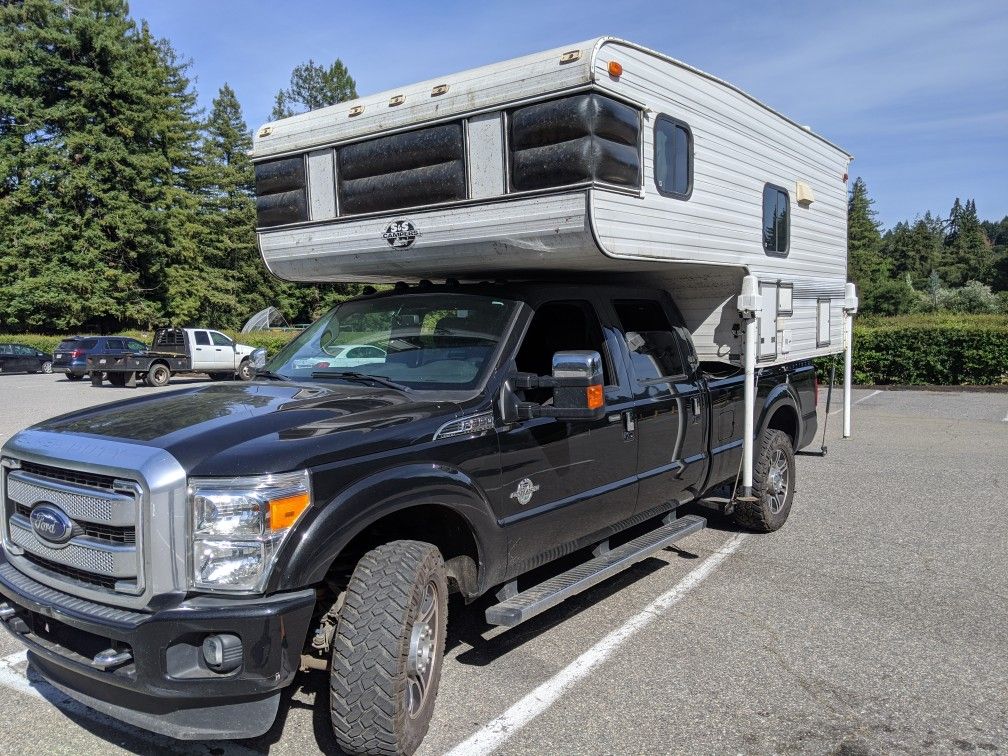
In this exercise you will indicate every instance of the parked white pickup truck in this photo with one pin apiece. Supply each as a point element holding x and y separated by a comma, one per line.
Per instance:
<point>175,350</point>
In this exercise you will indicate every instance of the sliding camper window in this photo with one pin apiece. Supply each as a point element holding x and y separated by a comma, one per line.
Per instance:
<point>776,220</point>
<point>673,157</point>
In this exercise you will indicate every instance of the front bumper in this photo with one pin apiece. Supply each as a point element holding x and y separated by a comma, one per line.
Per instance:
<point>164,686</point>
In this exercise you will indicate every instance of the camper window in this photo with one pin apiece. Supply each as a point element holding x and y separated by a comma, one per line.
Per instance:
<point>776,220</point>
<point>673,158</point>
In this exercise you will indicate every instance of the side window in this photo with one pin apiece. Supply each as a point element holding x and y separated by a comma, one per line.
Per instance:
<point>673,157</point>
<point>23,351</point>
<point>135,346</point>
<point>219,339</point>
<point>202,339</point>
<point>114,344</point>
<point>776,220</point>
<point>559,326</point>
<point>653,344</point>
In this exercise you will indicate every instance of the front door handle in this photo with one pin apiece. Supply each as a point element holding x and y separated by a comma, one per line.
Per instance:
<point>629,425</point>
<point>696,409</point>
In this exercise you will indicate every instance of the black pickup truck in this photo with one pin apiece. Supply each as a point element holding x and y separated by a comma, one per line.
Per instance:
<point>175,559</point>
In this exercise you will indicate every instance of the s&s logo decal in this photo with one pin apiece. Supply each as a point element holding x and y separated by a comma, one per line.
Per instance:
<point>400,234</point>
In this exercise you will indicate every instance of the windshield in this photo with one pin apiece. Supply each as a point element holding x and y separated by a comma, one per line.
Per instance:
<point>421,341</point>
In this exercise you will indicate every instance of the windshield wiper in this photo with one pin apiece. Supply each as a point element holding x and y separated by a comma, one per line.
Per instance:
<point>360,378</point>
<point>271,375</point>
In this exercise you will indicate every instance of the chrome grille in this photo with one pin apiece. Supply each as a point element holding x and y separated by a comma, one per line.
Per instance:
<point>103,552</point>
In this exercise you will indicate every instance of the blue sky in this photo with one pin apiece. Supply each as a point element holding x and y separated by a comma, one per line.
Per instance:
<point>917,91</point>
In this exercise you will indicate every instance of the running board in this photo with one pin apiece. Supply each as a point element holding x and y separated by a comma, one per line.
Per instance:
<point>539,598</point>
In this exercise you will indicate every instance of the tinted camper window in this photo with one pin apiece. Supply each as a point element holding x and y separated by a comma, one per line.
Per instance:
<point>776,220</point>
<point>673,159</point>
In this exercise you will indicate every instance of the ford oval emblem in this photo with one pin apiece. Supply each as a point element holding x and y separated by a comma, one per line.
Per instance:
<point>51,524</point>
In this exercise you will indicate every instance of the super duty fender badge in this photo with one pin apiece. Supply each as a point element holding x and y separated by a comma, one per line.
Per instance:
<point>400,234</point>
<point>523,494</point>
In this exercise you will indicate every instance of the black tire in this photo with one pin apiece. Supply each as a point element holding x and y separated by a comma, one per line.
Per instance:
<point>388,648</point>
<point>245,371</point>
<point>117,379</point>
<point>73,376</point>
<point>158,375</point>
<point>47,367</point>
<point>773,484</point>
<point>219,376</point>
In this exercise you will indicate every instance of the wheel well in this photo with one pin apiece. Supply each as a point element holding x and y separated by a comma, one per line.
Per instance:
<point>431,523</point>
<point>785,419</point>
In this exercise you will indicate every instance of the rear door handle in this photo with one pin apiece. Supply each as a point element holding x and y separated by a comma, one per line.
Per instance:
<point>696,409</point>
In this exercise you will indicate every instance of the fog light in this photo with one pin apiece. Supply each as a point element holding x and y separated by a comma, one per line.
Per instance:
<point>222,653</point>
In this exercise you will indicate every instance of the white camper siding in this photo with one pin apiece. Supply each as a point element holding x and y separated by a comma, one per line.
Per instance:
<point>739,147</point>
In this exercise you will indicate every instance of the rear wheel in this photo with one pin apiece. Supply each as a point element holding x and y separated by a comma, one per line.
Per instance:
<point>158,375</point>
<point>388,648</point>
<point>73,376</point>
<point>773,484</point>
<point>117,379</point>
<point>219,376</point>
<point>47,367</point>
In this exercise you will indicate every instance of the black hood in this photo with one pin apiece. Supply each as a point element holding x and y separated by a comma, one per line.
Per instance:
<point>251,428</point>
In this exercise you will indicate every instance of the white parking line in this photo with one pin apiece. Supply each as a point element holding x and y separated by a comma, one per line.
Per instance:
<point>863,398</point>
<point>495,733</point>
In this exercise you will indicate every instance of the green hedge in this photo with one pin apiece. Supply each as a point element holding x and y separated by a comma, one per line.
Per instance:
<point>936,350</point>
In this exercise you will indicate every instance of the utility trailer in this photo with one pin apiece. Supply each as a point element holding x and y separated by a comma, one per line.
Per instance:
<point>599,160</point>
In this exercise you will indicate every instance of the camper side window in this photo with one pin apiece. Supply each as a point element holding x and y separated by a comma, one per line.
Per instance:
<point>673,158</point>
<point>776,220</point>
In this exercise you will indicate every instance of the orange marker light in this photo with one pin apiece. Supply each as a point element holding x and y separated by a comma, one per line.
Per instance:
<point>284,512</point>
<point>615,69</point>
<point>595,398</point>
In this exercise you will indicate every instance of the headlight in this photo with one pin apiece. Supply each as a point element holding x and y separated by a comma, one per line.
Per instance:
<point>238,525</point>
<point>258,358</point>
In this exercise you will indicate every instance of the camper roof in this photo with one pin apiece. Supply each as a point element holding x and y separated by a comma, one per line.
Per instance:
<point>469,92</point>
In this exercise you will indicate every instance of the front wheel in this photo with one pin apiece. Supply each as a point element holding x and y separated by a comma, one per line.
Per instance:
<point>388,648</point>
<point>47,367</point>
<point>773,484</point>
<point>158,375</point>
<point>245,371</point>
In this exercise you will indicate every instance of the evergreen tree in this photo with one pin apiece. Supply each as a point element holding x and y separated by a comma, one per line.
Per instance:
<point>967,255</point>
<point>914,250</point>
<point>314,86</point>
<point>866,266</point>
<point>95,150</point>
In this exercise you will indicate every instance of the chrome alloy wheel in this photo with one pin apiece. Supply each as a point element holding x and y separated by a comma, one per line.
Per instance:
<point>422,650</point>
<point>777,481</point>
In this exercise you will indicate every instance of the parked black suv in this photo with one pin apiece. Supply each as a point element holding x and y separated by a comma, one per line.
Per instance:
<point>16,358</point>
<point>71,354</point>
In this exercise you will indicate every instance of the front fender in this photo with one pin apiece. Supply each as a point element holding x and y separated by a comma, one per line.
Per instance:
<point>320,538</point>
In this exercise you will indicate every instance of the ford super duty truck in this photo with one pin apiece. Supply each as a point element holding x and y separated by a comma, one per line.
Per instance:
<point>174,560</point>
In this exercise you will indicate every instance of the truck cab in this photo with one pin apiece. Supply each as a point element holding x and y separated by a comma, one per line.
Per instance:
<point>214,352</point>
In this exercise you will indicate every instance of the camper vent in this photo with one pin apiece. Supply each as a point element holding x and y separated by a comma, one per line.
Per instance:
<point>576,139</point>
<point>402,170</point>
<point>281,191</point>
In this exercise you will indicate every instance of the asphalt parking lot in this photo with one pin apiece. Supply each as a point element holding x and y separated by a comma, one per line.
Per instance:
<point>873,622</point>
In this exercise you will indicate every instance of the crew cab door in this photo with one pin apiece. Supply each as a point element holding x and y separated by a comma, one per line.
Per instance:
<point>224,355</point>
<point>202,351</point>
<point>564,482</point>
<point>669,403</point>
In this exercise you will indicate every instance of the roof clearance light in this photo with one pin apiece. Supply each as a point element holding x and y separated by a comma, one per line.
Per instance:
<point>570,56</point>
<point>356,110</point>
<point>439,90</point>
<point>615,69</point>
<point>396,100</point>
<point>265,131</point>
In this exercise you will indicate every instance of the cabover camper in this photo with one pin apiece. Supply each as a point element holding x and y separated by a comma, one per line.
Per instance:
<point>606,274</point>
<point>599,159</point>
